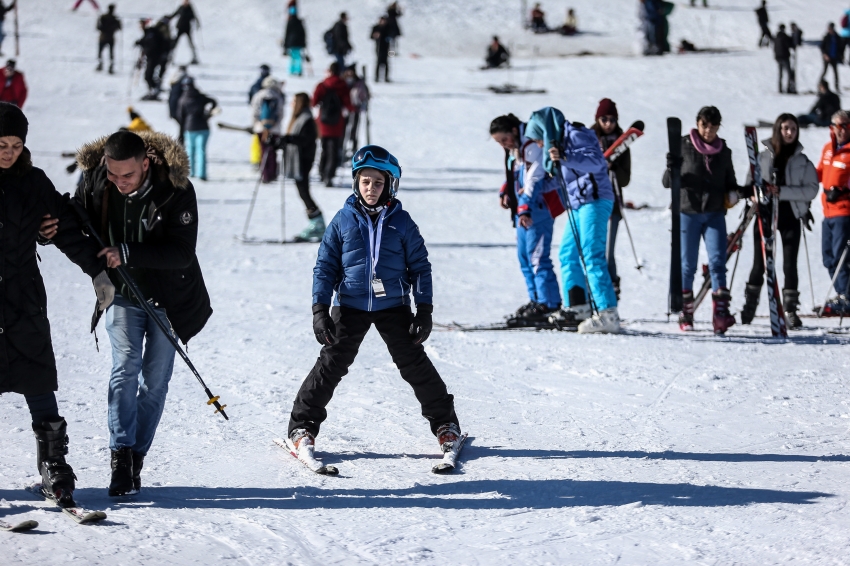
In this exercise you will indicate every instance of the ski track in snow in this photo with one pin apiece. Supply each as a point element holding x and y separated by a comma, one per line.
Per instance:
<point>646,448</point>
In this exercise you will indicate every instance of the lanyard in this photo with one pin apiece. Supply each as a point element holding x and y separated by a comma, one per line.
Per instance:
<point>375,240</point>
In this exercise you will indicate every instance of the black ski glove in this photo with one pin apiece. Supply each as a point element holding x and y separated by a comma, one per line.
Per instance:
<point>808,220</point>
<point>673,161</point>
<point>421,326</point>
<point>833,194</point>
<point>323,324</point>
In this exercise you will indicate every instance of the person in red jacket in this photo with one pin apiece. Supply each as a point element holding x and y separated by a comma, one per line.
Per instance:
<point>333,98</point>
<point>834,175</point>
<point>13,88</point>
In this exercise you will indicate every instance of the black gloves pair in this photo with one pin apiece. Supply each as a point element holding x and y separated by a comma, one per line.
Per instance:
<point>673,161</point>
<point>324,327</point>
<point>833,194</point>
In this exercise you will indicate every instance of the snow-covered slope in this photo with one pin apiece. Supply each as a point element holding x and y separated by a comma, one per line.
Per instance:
<point>644,448</point>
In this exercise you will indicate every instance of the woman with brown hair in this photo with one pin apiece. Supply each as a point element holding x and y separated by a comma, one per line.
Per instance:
<point>299,145</point>
<point>788,171</point>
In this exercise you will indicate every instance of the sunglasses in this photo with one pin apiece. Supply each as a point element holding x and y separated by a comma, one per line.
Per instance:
<point>608,119</point>
<point>845,126</point>
<point>377,153</point>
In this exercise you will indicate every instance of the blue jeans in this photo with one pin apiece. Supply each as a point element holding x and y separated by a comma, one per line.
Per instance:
<point>533,246</point>
<point>710,226</point>
<point>592,221</point>
<point>836,232</point>
<point>340,60</point>
<point>142,362</point>
<point>295,61</point>
<point>196,147</point>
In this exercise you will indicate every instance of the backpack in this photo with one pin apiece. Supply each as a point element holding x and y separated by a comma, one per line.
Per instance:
<point>845,21</point>
<point>329,41</point>
<point>269,109</point>
<point>331,108</point>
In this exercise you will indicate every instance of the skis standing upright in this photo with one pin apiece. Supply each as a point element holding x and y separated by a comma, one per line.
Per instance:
<point>674,137</point>
<point>768,216</point>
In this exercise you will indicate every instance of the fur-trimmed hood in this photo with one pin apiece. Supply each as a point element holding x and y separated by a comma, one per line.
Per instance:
<point>168,158</point>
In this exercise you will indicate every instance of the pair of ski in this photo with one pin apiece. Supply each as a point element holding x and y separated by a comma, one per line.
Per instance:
<point>307,457</point>
<point>79,515</point>
<point>766,210</point>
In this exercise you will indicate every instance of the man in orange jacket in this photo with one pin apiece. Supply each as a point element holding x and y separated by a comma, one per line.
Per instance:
<point>834,174</point>
<point>13,88</point>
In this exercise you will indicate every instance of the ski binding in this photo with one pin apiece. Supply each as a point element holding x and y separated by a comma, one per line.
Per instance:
<point>447,465</point>
<point>307,458</point>
<point>79,515</point>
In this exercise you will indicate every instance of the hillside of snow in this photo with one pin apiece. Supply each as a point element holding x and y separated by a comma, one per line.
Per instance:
<point>649,447</point>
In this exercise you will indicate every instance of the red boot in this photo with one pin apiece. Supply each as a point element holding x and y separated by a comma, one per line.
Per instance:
<point>686,317</point>
<point>722,319</point>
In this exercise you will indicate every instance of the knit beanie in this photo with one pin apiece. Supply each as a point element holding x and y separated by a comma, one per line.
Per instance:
<point>12,121</point>
<point>606,108</point>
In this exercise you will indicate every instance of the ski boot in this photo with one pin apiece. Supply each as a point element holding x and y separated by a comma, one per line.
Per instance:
<point>686,317</point>
<point>606,322</point>
<point>721,318</point>
<point>836,307</point>
<point>615,281</point>
<point>138,462</point>
<point>520,312</point>
<point>302,439</point>
<point>57,477</point>
<point>751,302</point>
<point>122,473</point>
<point>314,231</point>
<point>569,318</point>
<point>111,69</point>
<point>790,303</point>
<point>447,435</point>
<point>534,315</point>
<point>99,66</point>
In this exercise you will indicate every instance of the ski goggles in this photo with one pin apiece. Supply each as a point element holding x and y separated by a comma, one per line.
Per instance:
<point>845,126</point>
<point>376,157</point>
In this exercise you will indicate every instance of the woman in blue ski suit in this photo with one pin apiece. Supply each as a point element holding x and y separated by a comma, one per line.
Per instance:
<point>371,258</point>
<point>523,193</point>
<point>573,157</point>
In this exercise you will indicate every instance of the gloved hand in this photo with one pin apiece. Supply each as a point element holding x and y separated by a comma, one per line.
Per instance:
<point>673,161</point>
<point>808,220</point>
<point>323,325</point>
<point>104,290</point>
<point>833,194</point>
<point>421,326</point>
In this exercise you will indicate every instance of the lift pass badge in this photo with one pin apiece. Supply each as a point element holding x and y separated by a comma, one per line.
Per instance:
<point>378,288</point>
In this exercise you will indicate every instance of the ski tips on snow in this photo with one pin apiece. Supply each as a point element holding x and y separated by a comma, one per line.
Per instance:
<point>79,515</point>
<point>306,456</point>
<point>21,527</point>
<point>449,461</point>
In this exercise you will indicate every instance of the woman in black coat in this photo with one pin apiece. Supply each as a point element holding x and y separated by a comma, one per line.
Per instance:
<point>299,145</point>
<point>27,364</point>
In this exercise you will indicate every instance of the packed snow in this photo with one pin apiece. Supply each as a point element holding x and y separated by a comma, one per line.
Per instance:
<point>648,447</point>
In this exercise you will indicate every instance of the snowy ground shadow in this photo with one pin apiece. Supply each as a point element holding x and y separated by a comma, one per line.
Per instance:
<point>477,451</point>
<point>478,494</point>
<point>818,340</point>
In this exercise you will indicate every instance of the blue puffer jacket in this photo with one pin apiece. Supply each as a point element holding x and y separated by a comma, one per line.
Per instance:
<point>583,166</point>
<point>344,262</point>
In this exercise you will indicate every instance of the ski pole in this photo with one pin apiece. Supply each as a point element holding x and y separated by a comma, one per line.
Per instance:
<point>576,236</point>
<point>122,272</point>
<point>819,310</point>
<point>254,196</point>
<point>283,197</point>
<point>622,208</point>
<point>808,264</point>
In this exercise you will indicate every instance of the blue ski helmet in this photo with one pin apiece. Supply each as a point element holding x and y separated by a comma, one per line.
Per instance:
<point>376,157</point>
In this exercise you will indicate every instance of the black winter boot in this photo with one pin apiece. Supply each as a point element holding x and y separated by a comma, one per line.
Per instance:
<point>686,317</point>
<point>751,302</point>
<point>790,303</point>
<point>57,477</point>
<point>122,473</point>
<point>721,318</point>
<point>138,462</point>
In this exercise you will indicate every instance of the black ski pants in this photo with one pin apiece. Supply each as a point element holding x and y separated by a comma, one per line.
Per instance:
<point>43,408</point>
<point>393,324</point>
<point>331,158</point>
<point>785,69</point>
<point>790,231</point>
<point>103,44</point>
<point>303,186</point>
<point>827,63</point>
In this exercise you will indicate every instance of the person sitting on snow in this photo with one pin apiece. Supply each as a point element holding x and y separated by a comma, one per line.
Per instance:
<point>497,55</point>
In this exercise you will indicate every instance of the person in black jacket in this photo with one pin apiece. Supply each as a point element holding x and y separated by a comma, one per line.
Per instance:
<point>185,15</point>
<point>341,45</point>
<point>27,363</point>
<point>782,46</point>
<point>136,190</point>
<point>382,49</point>
<point>177,83</point>
<point>155,48</point>
<point>827,104</point>
<point>761,14</point>
<point>497,55</point>
<point>108,25</point>
<point>393,29</point>
<point>831,49</point>
<point>3,11</point>
<point>294,40</point>
<point>607,128</point>
<point>708,183</point>
<point>193,115</point>
<point>299,153</point>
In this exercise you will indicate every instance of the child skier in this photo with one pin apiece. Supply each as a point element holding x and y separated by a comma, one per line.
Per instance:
<point>372,256</point>
<point>523,193</point>
<point>572,155</point>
